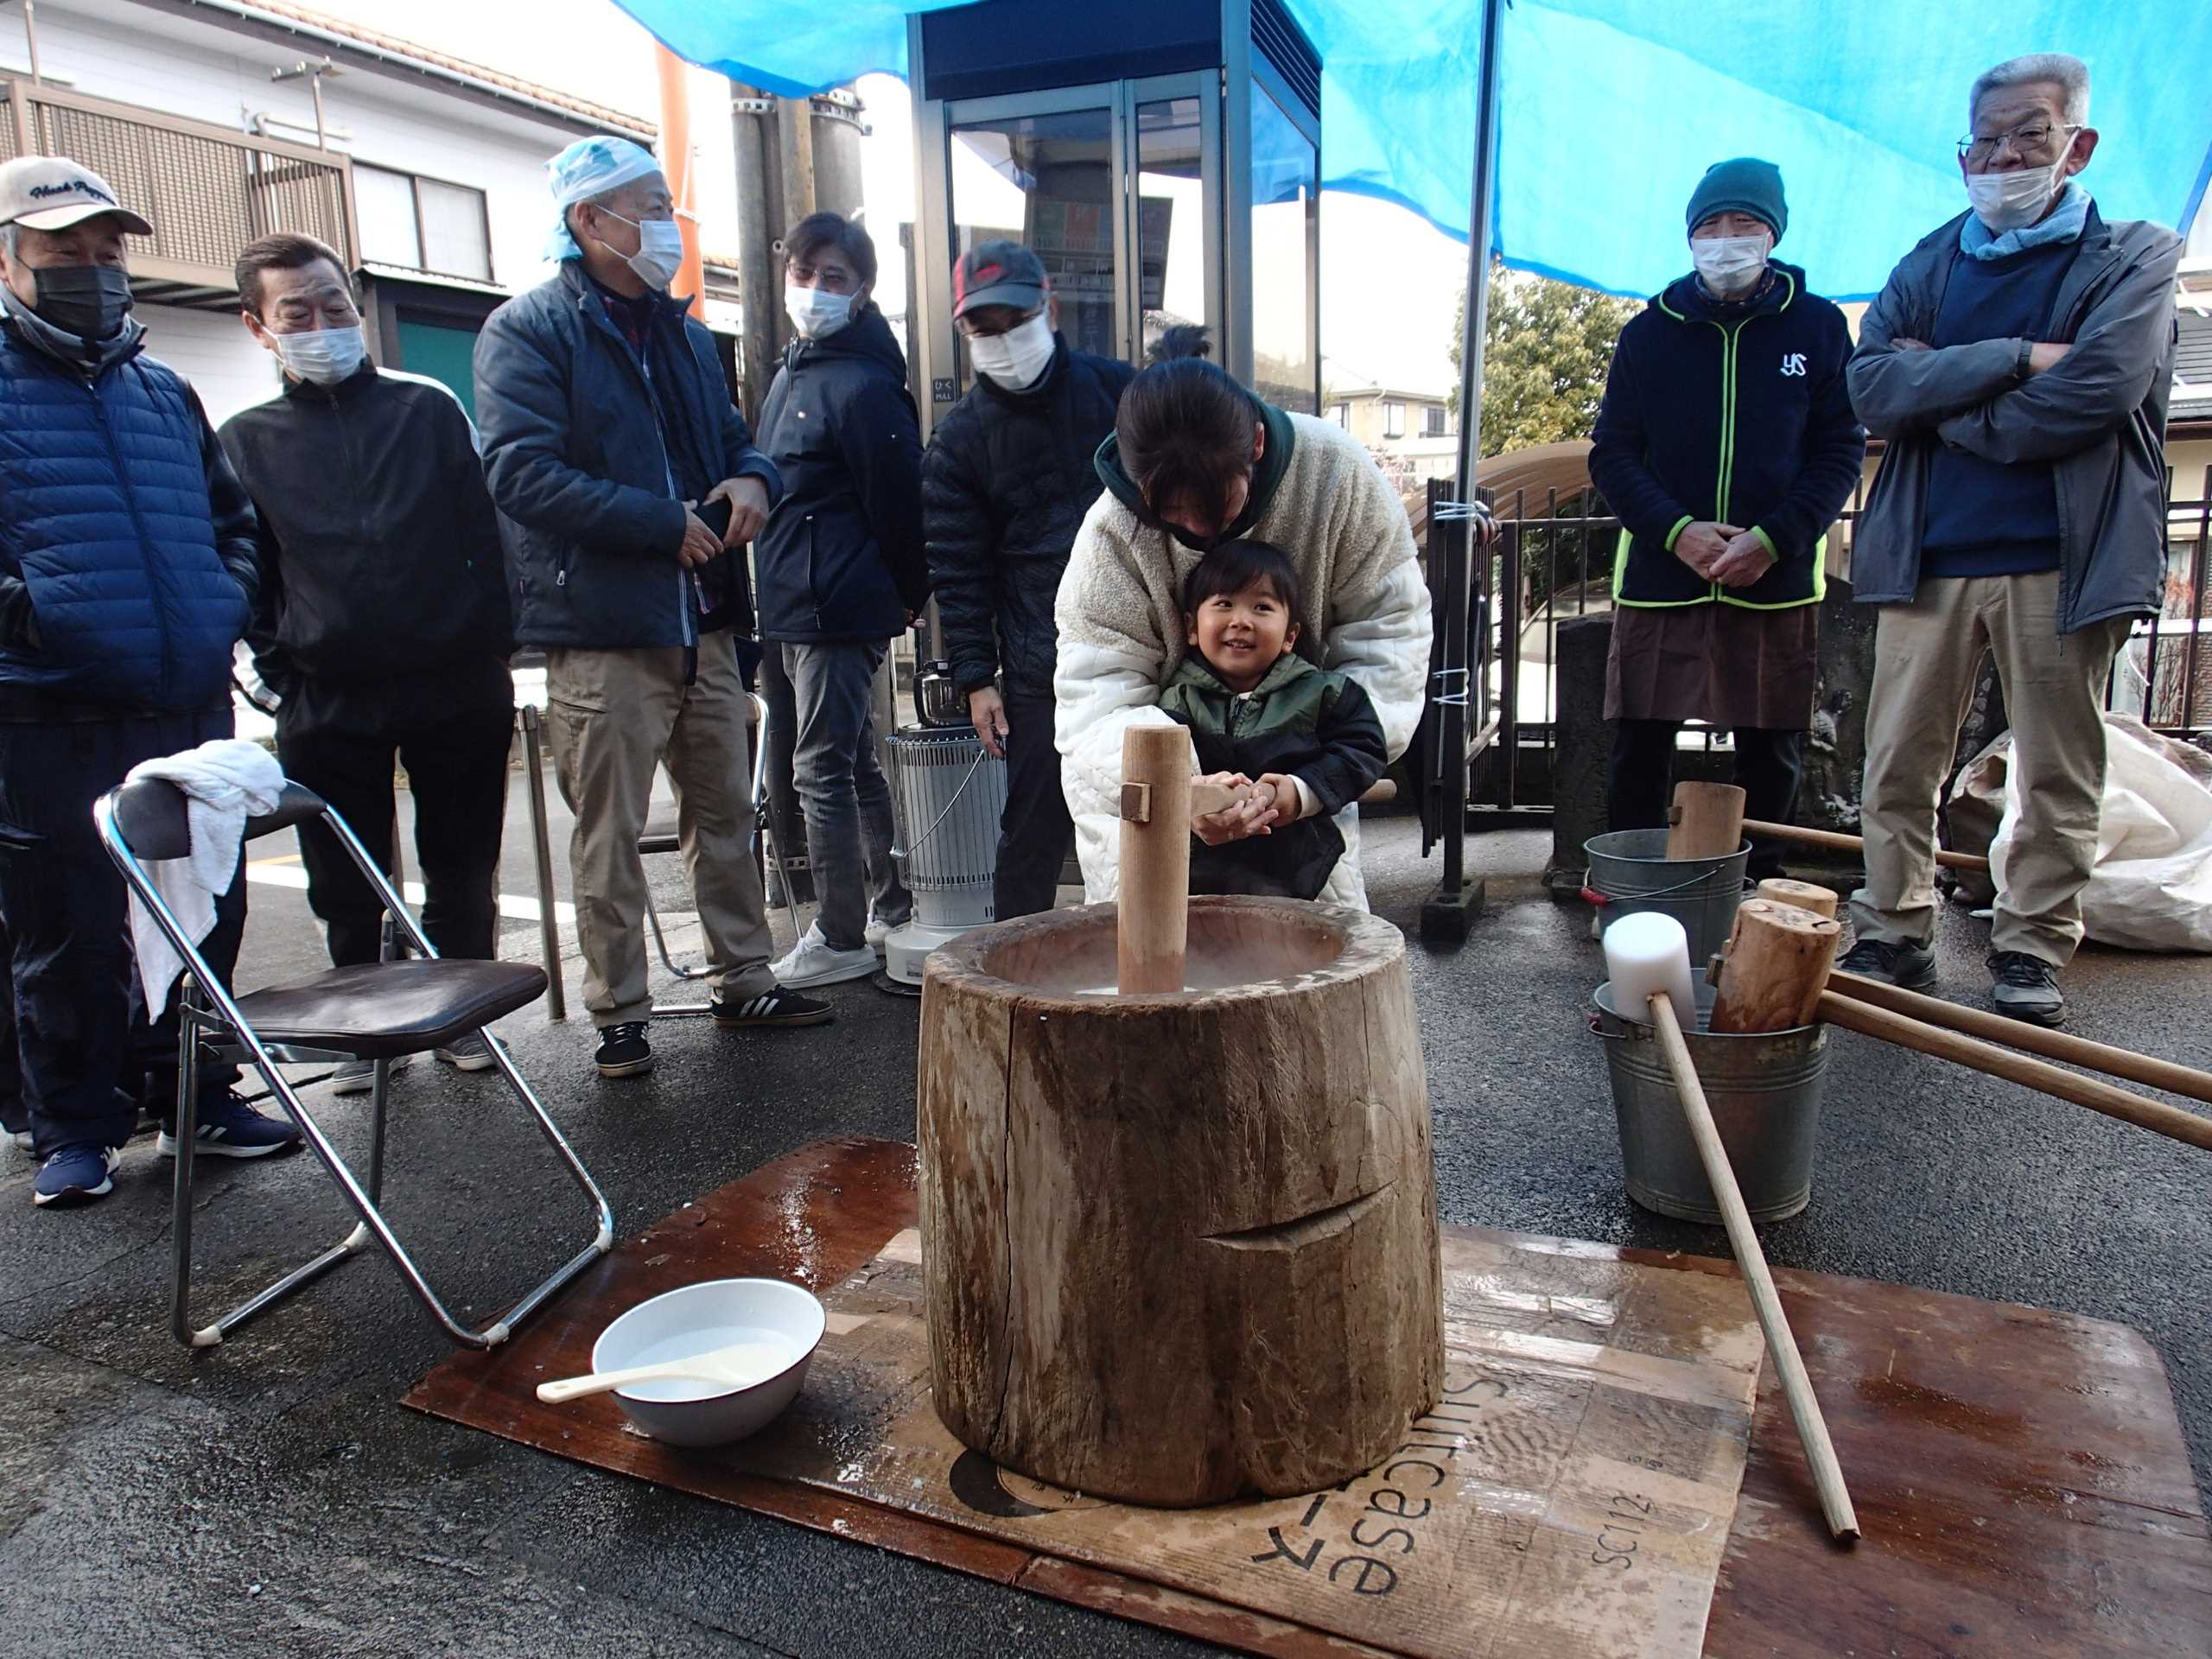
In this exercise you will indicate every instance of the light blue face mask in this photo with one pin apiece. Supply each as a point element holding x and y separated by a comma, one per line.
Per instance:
<point>325,356</point>
<point>815,313</point>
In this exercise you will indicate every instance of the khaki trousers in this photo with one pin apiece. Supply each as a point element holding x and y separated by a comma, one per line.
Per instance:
<point>612,717</point>
<point>1925,659</point>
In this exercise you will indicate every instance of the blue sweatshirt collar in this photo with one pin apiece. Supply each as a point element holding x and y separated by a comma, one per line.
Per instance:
<point>2064,224</point>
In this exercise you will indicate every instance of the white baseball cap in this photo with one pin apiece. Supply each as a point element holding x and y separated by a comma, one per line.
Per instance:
<point>52,193</point>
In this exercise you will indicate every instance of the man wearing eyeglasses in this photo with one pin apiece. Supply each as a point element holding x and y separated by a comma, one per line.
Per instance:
<point>2018,362</point>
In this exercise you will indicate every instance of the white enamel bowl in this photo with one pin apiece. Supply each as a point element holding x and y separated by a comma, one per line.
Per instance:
<point>697,1319</point>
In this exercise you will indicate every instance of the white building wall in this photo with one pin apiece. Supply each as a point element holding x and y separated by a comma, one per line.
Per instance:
<point>213,351</point>
<point>115,50</point>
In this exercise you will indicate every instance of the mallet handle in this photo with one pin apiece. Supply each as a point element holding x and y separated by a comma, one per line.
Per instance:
<point>1796,1387</point>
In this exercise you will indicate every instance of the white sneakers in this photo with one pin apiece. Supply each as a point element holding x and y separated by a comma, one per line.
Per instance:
<point>811,962</point>
<point>876,931</point>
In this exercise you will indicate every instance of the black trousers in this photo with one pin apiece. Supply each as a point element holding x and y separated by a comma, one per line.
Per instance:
<point>457,773</point>
<point>1640,783</point>
<point>86,1056</point>
<point>1035,833</point>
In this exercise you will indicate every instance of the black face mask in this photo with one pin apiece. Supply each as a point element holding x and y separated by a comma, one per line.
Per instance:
<point>88,301</point>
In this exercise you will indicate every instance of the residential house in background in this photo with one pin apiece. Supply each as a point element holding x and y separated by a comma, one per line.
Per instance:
<point>1412,428</point>
<point>225,119</point>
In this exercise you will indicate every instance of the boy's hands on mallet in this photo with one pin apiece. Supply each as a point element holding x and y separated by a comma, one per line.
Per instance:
<point>1290,805</point>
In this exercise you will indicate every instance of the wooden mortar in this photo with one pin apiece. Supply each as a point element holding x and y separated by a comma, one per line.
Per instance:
<point>1179,1247</point>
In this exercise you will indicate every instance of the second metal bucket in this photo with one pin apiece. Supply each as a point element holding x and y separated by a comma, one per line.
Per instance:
<point>1629,871</point>
<point>1765,1095</point>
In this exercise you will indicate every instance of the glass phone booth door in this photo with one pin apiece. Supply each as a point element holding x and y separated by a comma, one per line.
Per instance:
<point>1115,187</point>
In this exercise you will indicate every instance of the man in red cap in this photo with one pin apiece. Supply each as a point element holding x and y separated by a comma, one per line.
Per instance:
<point>1005,485</point>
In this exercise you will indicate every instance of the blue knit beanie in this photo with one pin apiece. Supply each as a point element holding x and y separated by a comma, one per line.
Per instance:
<point>1746,184</point>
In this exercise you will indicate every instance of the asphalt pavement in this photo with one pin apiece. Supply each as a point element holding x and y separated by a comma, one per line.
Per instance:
<point>272,1497</point>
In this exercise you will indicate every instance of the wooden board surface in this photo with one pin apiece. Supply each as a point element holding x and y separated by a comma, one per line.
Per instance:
<point>1569,1495</point>
<point>2020,1474</point>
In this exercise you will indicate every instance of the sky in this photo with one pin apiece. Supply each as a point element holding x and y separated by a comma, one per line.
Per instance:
<point>1390,282</point>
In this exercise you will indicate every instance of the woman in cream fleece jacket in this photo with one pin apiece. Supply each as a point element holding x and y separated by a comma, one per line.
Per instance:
<point>1305,486</point>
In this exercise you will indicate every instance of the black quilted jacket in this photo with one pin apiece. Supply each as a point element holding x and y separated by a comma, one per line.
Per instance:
<point>1005,485</point>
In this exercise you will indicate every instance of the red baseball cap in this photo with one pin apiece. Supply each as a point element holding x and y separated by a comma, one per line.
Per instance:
<point>997,273</point>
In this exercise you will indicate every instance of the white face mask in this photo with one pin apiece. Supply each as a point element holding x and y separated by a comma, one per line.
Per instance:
<point>815,313</point>
<point>2006,201</point>
<point>660,250</point>
<point>1729,266</point>
<point>326,356</point>
<point>1016,359</point>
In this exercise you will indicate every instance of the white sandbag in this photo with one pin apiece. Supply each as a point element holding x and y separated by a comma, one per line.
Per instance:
<point>2152,886</point>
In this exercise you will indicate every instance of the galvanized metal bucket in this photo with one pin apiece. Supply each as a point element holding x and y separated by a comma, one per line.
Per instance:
<point>1629,871</point>
<point>1765,1095</point>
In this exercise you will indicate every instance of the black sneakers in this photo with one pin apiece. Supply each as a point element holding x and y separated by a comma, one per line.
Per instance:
<point>1908,967</point>
<point>623,1051</point>
<point>779,1005</point>
<point>2026,987</point>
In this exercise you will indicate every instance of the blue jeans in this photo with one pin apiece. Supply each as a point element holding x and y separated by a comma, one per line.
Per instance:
<point>842,787</point>
<point>89,1056</point>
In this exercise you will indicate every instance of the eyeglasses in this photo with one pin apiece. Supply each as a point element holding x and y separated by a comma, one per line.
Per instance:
<point>829,279</point>
<point>2031,138</point>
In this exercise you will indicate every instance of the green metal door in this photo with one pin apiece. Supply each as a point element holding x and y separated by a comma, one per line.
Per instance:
<point>444,354</point>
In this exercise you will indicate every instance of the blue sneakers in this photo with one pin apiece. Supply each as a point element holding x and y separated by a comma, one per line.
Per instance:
<point>76,1175</point>
<point>230,1128</point>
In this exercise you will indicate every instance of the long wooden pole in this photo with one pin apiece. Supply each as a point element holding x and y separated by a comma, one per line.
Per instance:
<point>1844,843</point>
<point>2145,1068</point>
<point>1774,1324</point>
<point>1947,1044</point>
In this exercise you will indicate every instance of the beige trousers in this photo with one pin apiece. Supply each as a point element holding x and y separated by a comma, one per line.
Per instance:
<point>612,717</point>
<point>1925,659</point>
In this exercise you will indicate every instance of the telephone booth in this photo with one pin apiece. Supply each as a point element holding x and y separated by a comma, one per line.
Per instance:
<point>1163,159</point>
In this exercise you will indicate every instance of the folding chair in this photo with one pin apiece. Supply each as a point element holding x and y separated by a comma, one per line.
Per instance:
<point>375,1011</point>
<point>660,837</point>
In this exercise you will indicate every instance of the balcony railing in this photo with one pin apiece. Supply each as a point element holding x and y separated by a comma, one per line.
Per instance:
<point>208,190</point>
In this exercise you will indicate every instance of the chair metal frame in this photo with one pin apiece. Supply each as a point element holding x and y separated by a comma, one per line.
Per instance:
<point>207,1011</point>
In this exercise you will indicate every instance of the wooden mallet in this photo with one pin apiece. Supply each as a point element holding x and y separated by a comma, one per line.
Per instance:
<point>1648,960</point>
<point>1159,799</point>
<point>1968,1037</point>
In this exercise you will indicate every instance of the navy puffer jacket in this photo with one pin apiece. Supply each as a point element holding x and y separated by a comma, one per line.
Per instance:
<point>1005,481</point>
<point>127,563</point>
<point>591,454</point>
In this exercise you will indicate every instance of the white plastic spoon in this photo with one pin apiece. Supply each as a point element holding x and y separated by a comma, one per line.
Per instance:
<point>740,1365</point>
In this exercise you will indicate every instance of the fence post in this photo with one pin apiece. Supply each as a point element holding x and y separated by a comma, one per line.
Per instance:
<point>1446,916</point>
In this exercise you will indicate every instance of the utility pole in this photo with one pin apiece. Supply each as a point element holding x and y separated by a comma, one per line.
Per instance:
<point>774,145</point>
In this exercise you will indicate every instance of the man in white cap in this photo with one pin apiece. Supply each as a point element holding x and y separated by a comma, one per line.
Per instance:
<point>625,477</point>
<point>127,575</point>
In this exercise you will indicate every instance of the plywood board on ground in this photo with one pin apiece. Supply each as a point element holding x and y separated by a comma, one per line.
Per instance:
<point>2020,1473</point>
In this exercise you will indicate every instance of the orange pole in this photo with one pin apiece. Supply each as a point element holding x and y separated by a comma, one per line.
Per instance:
<point>675,160</point>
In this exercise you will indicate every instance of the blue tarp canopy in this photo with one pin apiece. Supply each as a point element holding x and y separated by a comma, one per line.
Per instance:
<point>1611,109</point>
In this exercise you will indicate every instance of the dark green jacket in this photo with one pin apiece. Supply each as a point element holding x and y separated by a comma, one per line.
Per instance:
<point>1300,720</point>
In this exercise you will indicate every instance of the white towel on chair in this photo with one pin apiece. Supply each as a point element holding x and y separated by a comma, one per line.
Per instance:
<point>225,783</point>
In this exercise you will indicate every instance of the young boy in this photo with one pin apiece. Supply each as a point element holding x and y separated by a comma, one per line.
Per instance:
<point>1258,710</point>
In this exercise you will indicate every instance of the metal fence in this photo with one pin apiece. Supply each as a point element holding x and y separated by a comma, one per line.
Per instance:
<point>1552,562</point>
